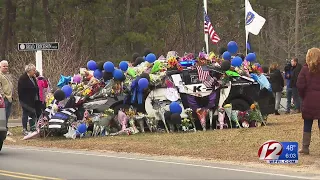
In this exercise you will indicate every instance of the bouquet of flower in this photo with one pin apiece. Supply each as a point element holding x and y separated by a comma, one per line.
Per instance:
<point>255,114</point>
<point>234,117</point>
<point>186,124</point>
<point>122,119</point>
<point>256,68</point>
<point>243,118</point>
<point>116,89</point>
<point>140,118</point>
<point>189,111</point>
<point>188,57</point>
<point>151,123</point>
<point>173,63</point>
<point>141,68</point>
<point>221,116</point>
<point>202,114</point>
<point>157,79</point>
<point>131,113</point>
<point>228,111</point>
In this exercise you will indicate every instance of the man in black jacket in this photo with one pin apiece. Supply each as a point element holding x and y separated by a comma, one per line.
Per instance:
<point>296,68</point>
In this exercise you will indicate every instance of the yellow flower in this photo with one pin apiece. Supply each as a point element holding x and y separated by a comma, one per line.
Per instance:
<point>86,92</point>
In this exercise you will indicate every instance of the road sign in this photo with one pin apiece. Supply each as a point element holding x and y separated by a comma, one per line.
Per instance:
<point>38,46</point>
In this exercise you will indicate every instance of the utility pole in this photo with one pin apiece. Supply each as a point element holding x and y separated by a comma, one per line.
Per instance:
<point>297,28</point>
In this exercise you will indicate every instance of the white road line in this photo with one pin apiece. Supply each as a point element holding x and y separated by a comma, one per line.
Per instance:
<point>159,161</point>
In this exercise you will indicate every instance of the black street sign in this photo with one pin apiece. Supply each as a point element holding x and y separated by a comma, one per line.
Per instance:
<point>38,46</point>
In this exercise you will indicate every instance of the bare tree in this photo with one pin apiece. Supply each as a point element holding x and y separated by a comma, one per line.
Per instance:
<point>6,29</point>
<point>297,28</point>
<point>47,18</point>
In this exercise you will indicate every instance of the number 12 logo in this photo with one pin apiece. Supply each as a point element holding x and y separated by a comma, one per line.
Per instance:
<point>270,150</point>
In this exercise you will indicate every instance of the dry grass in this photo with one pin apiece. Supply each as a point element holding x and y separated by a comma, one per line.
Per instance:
<point>223,145</point>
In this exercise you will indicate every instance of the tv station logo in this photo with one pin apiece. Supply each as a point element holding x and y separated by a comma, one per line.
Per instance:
<point>274,152</point>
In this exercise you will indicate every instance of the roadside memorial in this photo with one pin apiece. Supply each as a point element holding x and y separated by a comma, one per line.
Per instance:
<point>165,94</point>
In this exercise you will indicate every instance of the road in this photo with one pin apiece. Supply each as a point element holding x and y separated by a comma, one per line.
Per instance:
<point>40,163</point>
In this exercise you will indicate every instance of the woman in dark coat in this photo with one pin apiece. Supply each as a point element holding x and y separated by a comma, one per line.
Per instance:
<point>308,85</point>
<point>277,84</point>
<point>28,92</point>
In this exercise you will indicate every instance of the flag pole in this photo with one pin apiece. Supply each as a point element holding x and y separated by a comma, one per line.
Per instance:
<point>247,37</point>
<point>247,33</point>
<point>206,36</point>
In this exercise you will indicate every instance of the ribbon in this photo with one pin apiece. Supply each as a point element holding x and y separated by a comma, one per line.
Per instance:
<point>140,96</point>
<point>134,85</point>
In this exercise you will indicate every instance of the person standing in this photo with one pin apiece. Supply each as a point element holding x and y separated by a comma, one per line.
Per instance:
<point>43,85</point>
<point>6,89</point>
<point>28,92</point>
<point>287,76</point>
<point>277,84</point>
<point>296,68</point>
<point>308,84</point>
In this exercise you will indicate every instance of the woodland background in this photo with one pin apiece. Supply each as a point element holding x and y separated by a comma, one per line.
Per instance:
<point>105,30</point>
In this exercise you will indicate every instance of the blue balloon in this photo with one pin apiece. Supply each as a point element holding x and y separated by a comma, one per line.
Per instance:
<point>98,74</point>
<point>226,55</point>
<point>108,66</point>
<point>175,108</point>
<point>82,128</point>
<point>251,57</point>
<point>232,47</point>
<point>67,90</point>
<point>92,65</point>
<point>117,74</point>
<point>236,61</point>
<point>151,58</point>
<point>123,65</point>
<point>143,83</point>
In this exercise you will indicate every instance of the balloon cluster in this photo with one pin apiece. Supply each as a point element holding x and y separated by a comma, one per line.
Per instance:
<point>174,115</point>
<point>107,70</point>
<point>232,49</point>
<point>64,92</point>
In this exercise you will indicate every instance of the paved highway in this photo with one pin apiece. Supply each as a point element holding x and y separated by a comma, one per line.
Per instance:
<point>39,163</point>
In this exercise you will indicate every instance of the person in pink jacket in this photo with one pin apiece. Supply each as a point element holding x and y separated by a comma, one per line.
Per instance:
<point>43,85</point>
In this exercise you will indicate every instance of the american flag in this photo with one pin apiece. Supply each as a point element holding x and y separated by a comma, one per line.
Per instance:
<point>208,29</point>
<point>205,77</point>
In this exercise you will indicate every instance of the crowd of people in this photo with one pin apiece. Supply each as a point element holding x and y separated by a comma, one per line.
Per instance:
<point>32,89</point>
<point>285,81</point>
<point>302,85</point>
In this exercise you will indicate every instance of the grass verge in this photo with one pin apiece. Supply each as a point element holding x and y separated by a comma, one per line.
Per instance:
<point>223,145</point>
